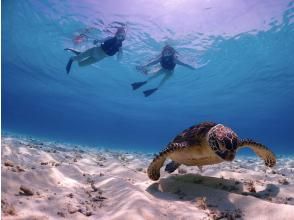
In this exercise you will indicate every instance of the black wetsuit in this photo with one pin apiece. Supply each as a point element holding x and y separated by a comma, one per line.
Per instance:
<point>111,46</point>
<point>168,62</point>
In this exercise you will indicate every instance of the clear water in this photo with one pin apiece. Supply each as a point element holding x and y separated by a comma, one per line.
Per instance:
<point>246,81</point>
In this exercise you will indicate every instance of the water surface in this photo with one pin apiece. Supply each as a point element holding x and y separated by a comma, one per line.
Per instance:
<point>246,80</point>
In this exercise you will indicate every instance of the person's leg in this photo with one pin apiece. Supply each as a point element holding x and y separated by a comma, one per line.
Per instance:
<point>87,61</point>
<point>84,55</point>
<point>154,70</point>
<point>137,85</point>
<point>167,73</point>
<point>156,74</point>
<point>96,54</point>
<point>76,52</point>
<point>87,57</point>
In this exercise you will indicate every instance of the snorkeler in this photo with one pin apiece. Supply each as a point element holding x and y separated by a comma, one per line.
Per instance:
<point>168,60</point>
<point>108,47</point>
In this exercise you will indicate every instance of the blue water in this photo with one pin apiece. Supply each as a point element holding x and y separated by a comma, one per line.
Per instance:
<point>246,49</point>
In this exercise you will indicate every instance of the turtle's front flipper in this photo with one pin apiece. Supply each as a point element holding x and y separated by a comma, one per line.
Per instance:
<point>171,167</point>
<point>262,151</point>
<point>153,170</point>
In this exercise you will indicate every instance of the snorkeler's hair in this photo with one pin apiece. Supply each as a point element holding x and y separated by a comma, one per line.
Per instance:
<point>120,30</point>
<point>170,48</point>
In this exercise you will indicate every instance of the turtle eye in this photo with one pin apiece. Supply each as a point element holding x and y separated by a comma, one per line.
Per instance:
<point>230,141</point>
<point>228,144</point>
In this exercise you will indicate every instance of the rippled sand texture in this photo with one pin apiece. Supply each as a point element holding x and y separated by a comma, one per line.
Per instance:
<point>43,180</point>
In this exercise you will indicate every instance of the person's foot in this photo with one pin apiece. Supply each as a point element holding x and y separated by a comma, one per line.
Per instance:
<point>149,92</point>
<point>76,52</point>
<point>137,85</point>
<point>68,66</point>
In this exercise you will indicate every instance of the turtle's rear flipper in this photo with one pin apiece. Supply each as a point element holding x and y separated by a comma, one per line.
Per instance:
<point>171,167</point>
<point>149,92</point>
<point>76,52</point>
<point>262,151</point>
<point>137,85</point>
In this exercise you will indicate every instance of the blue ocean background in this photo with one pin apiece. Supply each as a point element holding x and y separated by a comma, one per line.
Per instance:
<point>246,79</point>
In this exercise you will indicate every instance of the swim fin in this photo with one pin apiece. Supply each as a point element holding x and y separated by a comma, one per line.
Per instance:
<point>76,52</point>
<point>137,85</point>
<point>149,92</point>
<point>68,66</point>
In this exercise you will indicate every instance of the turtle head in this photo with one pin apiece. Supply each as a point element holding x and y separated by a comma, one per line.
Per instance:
<point>223,141</point>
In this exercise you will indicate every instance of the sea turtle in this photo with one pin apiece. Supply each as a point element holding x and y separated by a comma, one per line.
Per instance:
<point>205,144</point>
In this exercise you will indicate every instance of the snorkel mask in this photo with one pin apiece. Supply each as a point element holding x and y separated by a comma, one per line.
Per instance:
<point>168,51</point>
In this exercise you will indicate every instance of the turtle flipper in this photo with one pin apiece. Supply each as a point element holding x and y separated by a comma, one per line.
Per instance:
<point>171,167</point>
<point>153,170</point>
<point>262,151</point>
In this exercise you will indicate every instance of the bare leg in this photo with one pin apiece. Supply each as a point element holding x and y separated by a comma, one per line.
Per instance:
<point>84,55</point>
<point>168,74</point>
<point>76,52</point>
<point>88,61</point>
<point>157,73</point>
<point>90,56</point>
<point>137,85</point>
<point>154,70</point>
<point>87,57</point>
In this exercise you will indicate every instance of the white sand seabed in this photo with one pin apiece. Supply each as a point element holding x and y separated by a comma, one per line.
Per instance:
<point>49,181</point>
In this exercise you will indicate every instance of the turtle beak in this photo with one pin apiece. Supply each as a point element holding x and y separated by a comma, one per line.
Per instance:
<point>227,155</point>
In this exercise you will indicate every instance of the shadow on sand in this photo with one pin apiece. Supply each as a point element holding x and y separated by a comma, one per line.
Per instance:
<point>217,191</point>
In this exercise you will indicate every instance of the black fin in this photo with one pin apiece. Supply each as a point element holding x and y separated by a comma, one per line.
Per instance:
<point>137,85</point>
<point>76,52</point>
<point>171,167</point>
<point>149,92</point>
<point>68,66</point>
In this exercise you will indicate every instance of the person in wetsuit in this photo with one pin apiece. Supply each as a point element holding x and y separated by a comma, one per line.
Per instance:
<point>108,47</point>
<point>168,60</point>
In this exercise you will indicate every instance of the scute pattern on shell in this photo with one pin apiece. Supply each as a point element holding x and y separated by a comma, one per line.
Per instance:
<point>189,137</point>
<point>194,134</point>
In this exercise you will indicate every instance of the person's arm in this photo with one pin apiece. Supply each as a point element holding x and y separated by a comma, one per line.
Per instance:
<point>142,68</point>
<point>184,64</point>
<point>152,62</point>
